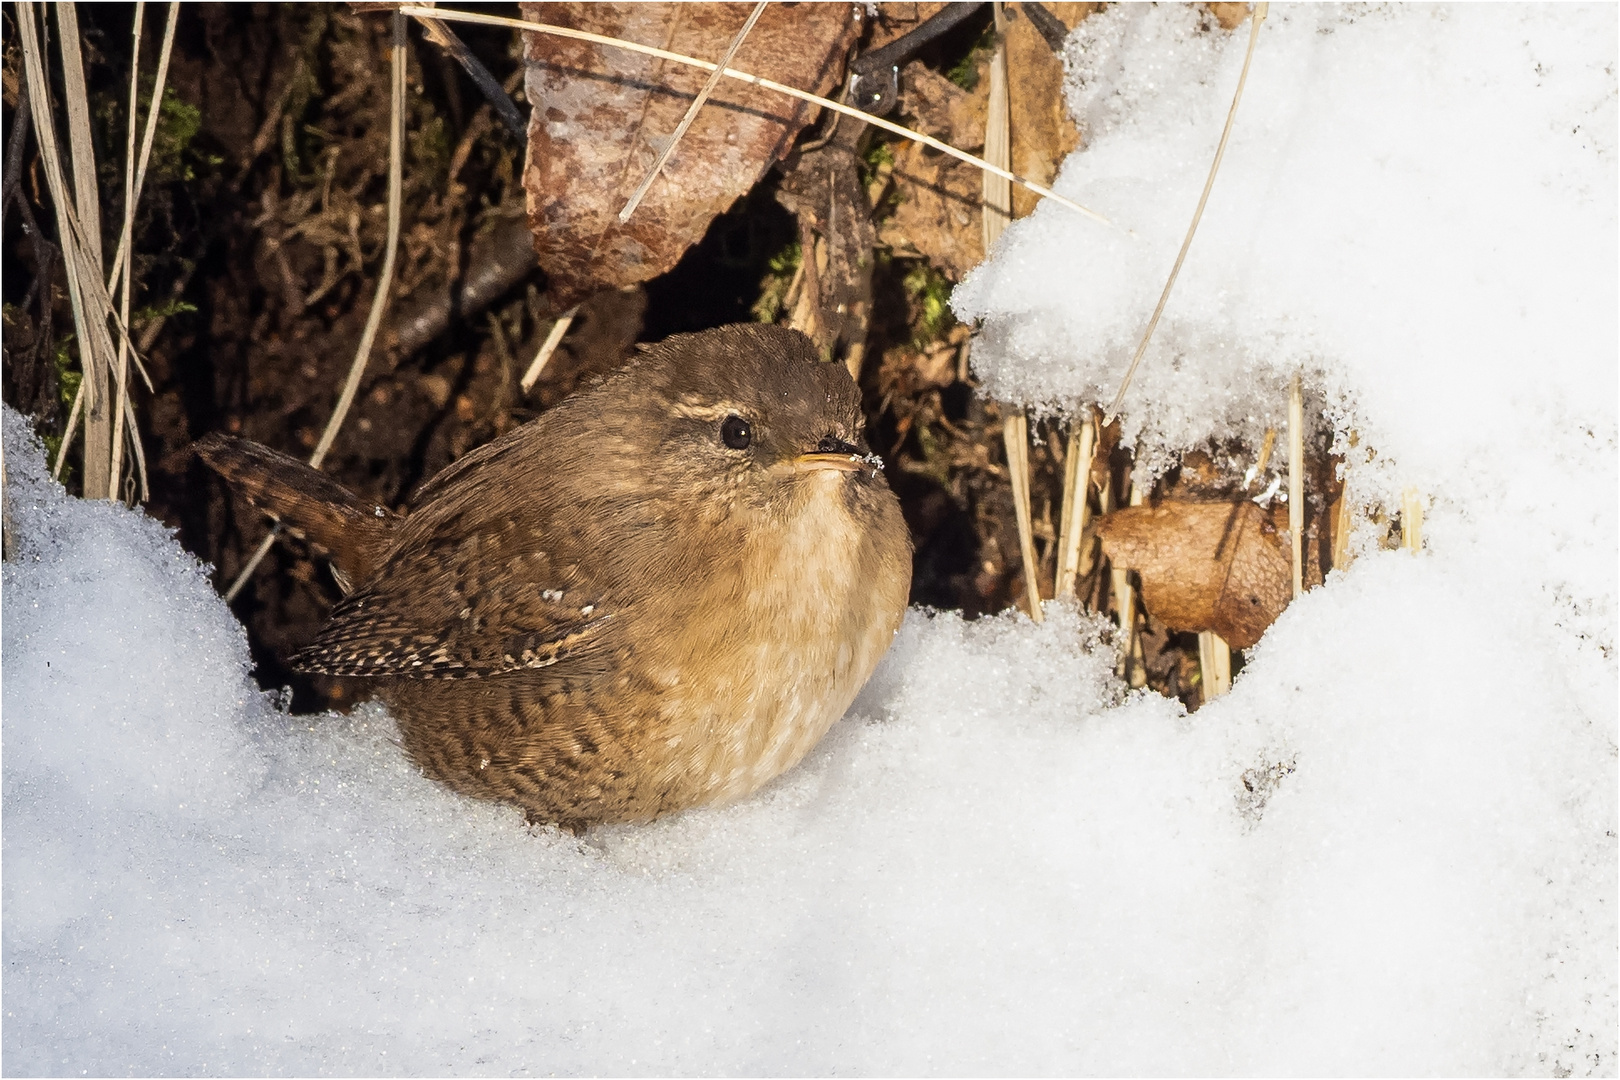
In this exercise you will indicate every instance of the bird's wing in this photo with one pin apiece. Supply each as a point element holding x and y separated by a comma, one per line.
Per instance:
<point>464,600</point>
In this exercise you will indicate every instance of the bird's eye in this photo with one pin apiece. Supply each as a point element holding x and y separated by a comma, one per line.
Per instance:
<point>735,432</point>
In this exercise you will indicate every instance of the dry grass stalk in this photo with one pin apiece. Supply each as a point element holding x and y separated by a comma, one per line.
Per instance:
<point>449,15</point>
<point>547,347</point>
<point>90,310</point>
<point>123,260</point>
<point>86,192</point>
<point>1296,481</point>
<point>995,211</point>
<point>1076,508</point>
<point>126,350</point>
<point>379,299</point>
<point>1015,432</point>
<point>1257,17</point>
<point>1342,521</point>
<point>1214,664</point>
<point>122,363</point>
<point>692,111</point>
<point>1125,608</point>
<point>87,205</point>
<point>149,133</point>
<point>1267,444</point>
<point>1412,520</point>
<point>98,417</point>
<point>1137,676</point>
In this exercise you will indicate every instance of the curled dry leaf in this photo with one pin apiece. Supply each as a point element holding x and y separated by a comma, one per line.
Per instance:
<point>1220,566</point>
<point>600,117</point>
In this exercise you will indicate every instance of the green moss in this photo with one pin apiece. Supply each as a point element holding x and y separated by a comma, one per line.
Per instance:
<point>877,155</point>
<point>429,143</point>
<point>162,311</point>
<point>174,155</point>
<point>965,72</point>
<point>930,293</point>
<point>68,378</point>
<point>773,289</point>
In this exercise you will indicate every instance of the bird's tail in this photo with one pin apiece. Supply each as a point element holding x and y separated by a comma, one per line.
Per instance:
<point>305,500</point>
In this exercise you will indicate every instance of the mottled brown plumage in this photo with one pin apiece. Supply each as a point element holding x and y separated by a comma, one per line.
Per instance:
<point>660,594</point>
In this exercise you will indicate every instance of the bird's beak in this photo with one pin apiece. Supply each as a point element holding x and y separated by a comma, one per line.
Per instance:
<point>840,462</point>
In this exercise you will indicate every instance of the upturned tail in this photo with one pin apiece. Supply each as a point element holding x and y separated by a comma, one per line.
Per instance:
<point>307,502</point>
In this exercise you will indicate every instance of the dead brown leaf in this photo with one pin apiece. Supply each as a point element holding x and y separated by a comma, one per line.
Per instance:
<point>937,216</point>
<point>941,108</point>
<point>1218,566</point>
<point>1230,16</point>
<point>600,116</point>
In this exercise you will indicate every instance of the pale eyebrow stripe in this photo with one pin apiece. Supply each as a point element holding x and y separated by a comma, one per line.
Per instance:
<point>693,410</point>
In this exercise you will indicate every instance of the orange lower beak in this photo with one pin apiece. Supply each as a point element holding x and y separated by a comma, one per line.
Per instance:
<point>841,462</point>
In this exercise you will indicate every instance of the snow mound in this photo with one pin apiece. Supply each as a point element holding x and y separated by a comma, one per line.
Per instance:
<point>1417,205</point>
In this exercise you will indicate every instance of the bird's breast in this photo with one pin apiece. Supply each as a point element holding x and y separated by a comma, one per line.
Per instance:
<point>814,599</point>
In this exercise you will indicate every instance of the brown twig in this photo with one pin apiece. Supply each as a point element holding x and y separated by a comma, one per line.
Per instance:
<point>494,93</point>
<point>14,151</point>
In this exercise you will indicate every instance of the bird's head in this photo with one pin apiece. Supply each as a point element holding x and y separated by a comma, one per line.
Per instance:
<point>741,418</point>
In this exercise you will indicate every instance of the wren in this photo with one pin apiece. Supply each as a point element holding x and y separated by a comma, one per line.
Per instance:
<point>659,594</point>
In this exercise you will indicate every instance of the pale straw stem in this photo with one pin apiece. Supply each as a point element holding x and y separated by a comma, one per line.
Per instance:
<point>547,347</point>
<point>1214,664</point>
<point>1257,17</point>
<point>1015,432</point>
<point>1076,508</point>
<point>1296,481</point>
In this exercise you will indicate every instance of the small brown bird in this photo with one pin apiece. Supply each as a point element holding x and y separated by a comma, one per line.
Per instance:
<point>660,594</point>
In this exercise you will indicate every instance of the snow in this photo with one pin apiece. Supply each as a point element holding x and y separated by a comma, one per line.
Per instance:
<point>1000,862</point>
